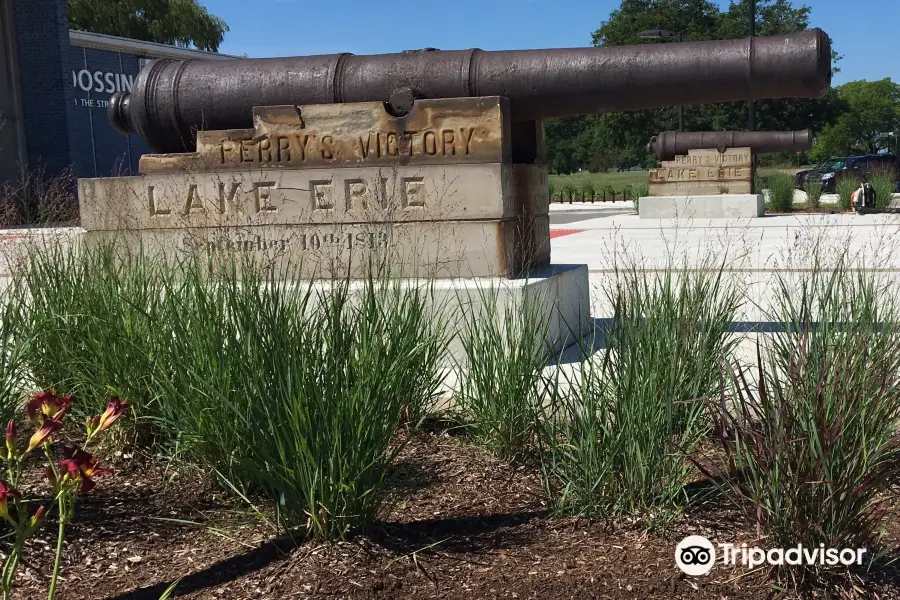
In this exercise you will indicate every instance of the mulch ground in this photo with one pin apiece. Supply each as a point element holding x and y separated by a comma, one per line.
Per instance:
<point>468,526</point>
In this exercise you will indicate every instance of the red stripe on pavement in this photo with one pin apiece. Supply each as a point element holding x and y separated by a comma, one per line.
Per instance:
<point>555,233</point>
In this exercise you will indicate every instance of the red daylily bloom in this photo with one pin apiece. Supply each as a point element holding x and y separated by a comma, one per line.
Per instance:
<point>80,466</point>
<point>11,451</point>
<point>48,404</point>
<point>5,494</point>
<point>49,426</point>
<point>36,520</point>
<point>115,409</point>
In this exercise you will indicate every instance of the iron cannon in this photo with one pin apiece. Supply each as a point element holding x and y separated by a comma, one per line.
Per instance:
<point>670,143</point>
<point>172,99</point>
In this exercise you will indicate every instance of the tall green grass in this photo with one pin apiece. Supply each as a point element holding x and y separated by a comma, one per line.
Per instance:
<point>781,191</point>
<point>811,441</point>
<point>813,191</point>
<point>884,182</point>
<point>501,374</point>
<point>300,392</point>
<point>304,392</point>
<point>845,188</point>
<point>94,315</point>
<point>615,432</point>
<point>15,343</point>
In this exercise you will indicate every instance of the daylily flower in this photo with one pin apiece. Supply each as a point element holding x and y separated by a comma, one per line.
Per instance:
<point>11,452</point>
<point>48,404</point>
<point>80,466</point>
<point>5,494</point>
<point>36,520</point>
<point>49,426</point>
<point>115,409</point>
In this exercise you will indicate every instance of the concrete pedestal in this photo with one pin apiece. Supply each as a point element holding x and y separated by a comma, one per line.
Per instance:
<point>721,206</point>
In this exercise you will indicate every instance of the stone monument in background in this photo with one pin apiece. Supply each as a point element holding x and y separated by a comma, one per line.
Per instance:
<point>711,174</point>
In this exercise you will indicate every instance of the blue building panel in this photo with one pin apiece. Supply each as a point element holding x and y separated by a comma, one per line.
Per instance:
<point>98,150</point>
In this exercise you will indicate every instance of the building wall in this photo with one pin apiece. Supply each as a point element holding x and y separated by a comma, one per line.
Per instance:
<point>42,46</point>
<point>98,150</point>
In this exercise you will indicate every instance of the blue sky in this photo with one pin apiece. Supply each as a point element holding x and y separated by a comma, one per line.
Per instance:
<point>865,32</point>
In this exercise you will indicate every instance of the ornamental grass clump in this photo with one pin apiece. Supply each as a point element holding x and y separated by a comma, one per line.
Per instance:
<point>69,477</point>
<point>813,191</point>
<point>810,433</point>
<point>616,431</point>
<point>781,191</point>
<point>301,391</point>
<point>884,182</point>
<point>501,372</point>
<point>845,188</point>
<point>93,316</point>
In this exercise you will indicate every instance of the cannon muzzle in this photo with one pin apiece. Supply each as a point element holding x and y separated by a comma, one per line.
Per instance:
<point>670,143</point>
<point>171,99</point>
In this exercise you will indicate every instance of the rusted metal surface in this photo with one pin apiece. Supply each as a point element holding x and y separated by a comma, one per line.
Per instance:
<point>442,131</point>
<point>669,144</point>
<point>171,100</point>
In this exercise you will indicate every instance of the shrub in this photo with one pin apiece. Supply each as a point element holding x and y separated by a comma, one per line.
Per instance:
<point>813,191</point>
<point>884,182</point>
<point>781,191</point>
<point>811,441</point>
<point>616,431</point>
<point>551,190</point>
<point>500,382</point>
<point>568,192</point>
<point>845,189</point>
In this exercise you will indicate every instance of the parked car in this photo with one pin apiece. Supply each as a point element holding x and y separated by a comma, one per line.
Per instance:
<point>857,167</point>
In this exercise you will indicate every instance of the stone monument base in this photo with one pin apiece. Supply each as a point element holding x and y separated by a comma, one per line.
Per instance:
<point>721,206</point>
<point>560,295</point>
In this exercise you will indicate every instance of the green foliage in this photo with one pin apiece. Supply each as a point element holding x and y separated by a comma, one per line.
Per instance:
<point>299,392</point>
<point>615,431</point>
<point>95,318</point>
<point>781,191</point>
<point>845,188</point>
<point>269,383</point>
<point>884,182</point>
<point>183,23</point>
<point>500,381</point>
<point>813,435</point>
<point>813,191</point>
<point>870,110</point>
<point>15,345</point>
<point>617,139</point>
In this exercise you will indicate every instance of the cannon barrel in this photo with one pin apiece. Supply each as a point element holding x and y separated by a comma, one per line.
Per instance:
<point>670,143</point>
<point>171,99</point>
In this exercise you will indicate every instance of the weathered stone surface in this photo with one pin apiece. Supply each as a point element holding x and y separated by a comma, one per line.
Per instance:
<point>441,131</point>
<point>265,197</point>
<point>531,194</point>
<point>412,249</point>
<point>702,207</point>
<point>699,188</point>
<point>704,172</point>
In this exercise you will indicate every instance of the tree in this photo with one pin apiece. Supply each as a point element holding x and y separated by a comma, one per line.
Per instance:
<point>182,23</point>
<point>870,119</point>
<point>627,133</point>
